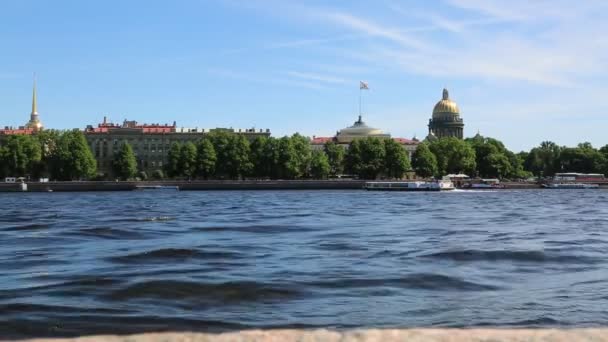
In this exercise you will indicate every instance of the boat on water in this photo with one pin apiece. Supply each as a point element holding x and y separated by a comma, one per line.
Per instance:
<point>156,187</point>
<point>484,184</point>
<point>570,186</point>
<point>442,185</point>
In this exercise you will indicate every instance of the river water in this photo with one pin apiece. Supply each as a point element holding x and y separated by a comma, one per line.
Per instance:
<point>91,263</point>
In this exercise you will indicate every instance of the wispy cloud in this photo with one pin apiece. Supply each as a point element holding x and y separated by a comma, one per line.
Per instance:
<point>318,77</point>
<point>251,78</point>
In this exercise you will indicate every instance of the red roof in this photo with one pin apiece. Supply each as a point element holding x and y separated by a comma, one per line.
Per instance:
<point>321,140</point>
<point>23,131</point>
<point>405,141</point>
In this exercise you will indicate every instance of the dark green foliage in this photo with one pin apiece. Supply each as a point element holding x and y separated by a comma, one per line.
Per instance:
<point>20,156</point>
<point>335,155</point>
<point>206,159</point>
<point>365,158</point>
<point>544,160</point>
<point>158,174</point>
<point>424,161</point>
<point>453,156</point>
<point>125,164</point>
<point>187,160</point>
<point>72,158</point>
<point>173,160</point>
<point>232,152</point>
<point>319,165</point>
<point>396,160</point>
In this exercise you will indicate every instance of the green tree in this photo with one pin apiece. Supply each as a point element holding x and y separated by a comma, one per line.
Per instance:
<point>492,158</point>
<point>125,164</point>
<point>287,161</point>
<point>72,159</point>
<point>232,152</point>
<point>544,160</point>
<point>365,157</point>
<point>48,141</point>
<point>261,164</point>
<point>158,174</point>
<point>205,159</point>
<point>424,161</point>
<point>396,160</point>
<point>187,159</point>
<point>335,154</point>
<point>173,160</point>
<point>583,158</point>
<point>21,155</point>
<point>453,156</point>
<point>319,165</point>
<point>303,154</point>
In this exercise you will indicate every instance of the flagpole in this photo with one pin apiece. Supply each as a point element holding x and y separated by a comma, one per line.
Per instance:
<point>359,102</point>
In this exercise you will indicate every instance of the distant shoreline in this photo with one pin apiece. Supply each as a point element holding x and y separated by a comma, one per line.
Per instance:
<point>209,185</point>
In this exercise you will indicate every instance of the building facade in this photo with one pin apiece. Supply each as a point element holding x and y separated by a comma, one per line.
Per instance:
<point>150,142</point>
<point>446,120</point>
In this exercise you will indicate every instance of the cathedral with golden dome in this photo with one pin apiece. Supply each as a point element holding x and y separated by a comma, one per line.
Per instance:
<point>446,120</point>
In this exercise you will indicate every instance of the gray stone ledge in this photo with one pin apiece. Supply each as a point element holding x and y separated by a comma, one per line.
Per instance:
<point>372,335</point>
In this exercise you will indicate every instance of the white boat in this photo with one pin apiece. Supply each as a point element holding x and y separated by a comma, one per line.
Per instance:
<point>571,186</point>
<point>156,187</point>
<point>443,185</point>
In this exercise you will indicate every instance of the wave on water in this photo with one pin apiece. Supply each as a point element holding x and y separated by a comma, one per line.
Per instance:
<point>509,255</point>
<point>169,254</point>
<point>420,281</point>
<point>218,293</point>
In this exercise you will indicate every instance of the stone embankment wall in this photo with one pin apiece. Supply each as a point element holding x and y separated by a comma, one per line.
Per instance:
<point>193,185</point>
<point>389,335</point>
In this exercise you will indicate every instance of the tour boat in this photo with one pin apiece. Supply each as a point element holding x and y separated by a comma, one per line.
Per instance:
<point>442,185</point>
<point>571,186</point>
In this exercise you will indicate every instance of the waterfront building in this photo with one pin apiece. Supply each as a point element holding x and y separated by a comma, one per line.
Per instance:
<point>361,130</point>
<point>446,120</point>
<point>150,142</point>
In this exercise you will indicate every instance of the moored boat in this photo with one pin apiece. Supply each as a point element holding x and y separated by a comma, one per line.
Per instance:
<point>571,186</point>
<point>443,185</point>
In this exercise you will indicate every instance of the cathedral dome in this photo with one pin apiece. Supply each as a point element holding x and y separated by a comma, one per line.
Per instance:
<point>445,106</point>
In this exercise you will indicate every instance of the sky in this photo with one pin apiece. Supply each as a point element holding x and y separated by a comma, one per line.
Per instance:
<point>521,71</point>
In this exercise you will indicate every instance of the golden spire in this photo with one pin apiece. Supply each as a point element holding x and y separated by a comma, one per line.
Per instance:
<point>34,101</point>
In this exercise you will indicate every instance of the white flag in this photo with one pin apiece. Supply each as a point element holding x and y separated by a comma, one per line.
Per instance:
<point>363,85</point>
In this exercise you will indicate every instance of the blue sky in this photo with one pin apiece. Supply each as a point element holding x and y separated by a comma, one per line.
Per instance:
<point>521,71</point>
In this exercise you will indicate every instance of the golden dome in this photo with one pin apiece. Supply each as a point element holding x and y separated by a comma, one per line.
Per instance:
<point>446,106</point>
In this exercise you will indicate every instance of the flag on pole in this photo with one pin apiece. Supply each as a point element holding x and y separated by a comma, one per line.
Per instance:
<point>363,85</point>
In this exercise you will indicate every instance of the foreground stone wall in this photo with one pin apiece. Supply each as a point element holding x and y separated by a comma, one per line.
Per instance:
<point>413,335</point>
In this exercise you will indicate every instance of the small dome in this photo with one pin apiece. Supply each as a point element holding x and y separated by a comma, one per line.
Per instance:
<point>445,106</point>
<point>359,128</point>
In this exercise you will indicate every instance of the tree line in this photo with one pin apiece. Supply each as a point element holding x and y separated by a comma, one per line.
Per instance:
<point>65,155</point>
<point>60,155</point>
<point>223,155</point>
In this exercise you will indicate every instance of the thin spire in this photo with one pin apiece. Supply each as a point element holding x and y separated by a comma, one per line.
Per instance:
<point>446,94</point>
<point>34,100</point>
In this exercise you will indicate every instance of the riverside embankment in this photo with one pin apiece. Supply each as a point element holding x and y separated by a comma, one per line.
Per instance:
<point>191,185</point>
<point>209,185</point>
